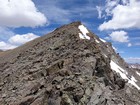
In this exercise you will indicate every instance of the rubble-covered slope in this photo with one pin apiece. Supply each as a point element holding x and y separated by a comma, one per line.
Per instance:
<point>70,66</point>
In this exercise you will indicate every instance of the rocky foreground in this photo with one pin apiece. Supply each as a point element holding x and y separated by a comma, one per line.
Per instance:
<point>70,66</point>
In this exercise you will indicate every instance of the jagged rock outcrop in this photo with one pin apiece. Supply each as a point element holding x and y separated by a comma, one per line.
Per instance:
<point>70,66</point>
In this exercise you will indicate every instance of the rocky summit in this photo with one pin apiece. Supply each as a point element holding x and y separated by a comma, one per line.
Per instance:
<point>69,66</point>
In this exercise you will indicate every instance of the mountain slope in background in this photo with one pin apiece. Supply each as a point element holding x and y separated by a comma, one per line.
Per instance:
<point>70,66</point>
<point>134,66</point>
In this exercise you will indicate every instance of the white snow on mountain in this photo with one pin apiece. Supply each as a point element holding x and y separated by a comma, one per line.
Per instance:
<point>102,40</point>
<point>84,31</point>
<point>138,73</point>
<point>134,66</point>
<point>124,74</point>
<point>97,41</point>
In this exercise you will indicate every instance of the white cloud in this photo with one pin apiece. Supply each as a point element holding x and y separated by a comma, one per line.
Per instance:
<point>107,38</point>
<point>119,36</point>
<point>137,44</point>
<point>124,16</point>
<point>110,4</point>
<point>5,33</point>
<point>6,46</point>
<point>16,41</point>
<point>17,13</point>
<point>125,2</point>
<point>129,45</point>
<point>99,9</point>
<point>21,39</point>
<point>132,60</point>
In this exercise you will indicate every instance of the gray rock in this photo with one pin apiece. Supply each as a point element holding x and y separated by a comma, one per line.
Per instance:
<point>62,69</point>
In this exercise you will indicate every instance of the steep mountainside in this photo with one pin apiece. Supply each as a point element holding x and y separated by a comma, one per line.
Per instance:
<point>70,66</point>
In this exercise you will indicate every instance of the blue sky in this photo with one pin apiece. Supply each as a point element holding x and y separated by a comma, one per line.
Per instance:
<point>116,21</point>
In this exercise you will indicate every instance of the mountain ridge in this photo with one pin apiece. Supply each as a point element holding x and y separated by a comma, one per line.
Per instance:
<point>69,66</point>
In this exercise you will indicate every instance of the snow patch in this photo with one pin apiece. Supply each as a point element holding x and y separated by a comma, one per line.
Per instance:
<point>102,40</point>
<point>114,48</point>
<point>133,82</point>
<point>97,41</point>
<point>133,67</point>
<point>84,32</point>
<point>123,74</point>
<point>138,73</point>
<point>116,67</point>
<point>81,36</point>
<point>105,55</point>
<point>133,79</point>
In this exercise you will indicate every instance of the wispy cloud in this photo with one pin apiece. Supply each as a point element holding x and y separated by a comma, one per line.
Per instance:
<point>137,44</point>
<point>5,33</point>
<point>99,9</point>
<point>132,60</point>
<point>61,12</point>
<point>135,38</point>
<point>56,14</point>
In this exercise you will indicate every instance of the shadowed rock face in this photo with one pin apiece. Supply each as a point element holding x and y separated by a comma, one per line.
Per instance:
<point>60,68</point>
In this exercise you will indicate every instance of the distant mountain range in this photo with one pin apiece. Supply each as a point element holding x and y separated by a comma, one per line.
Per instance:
<point>69,66</point>
<point>135,66</point>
